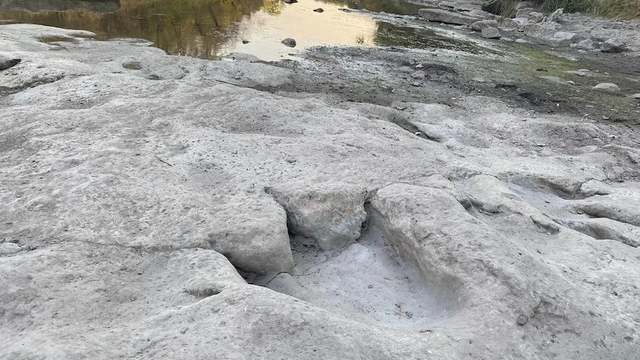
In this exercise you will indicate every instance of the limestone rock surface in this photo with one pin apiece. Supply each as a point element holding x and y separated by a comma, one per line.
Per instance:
<point>134,199</point>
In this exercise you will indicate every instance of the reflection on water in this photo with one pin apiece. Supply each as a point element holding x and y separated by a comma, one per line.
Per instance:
<point>103,6</point>
<point>203,28</point>
<point>299,21</point>
<point>388,6</point>
<point>213,28</point>
<point>185,27</point>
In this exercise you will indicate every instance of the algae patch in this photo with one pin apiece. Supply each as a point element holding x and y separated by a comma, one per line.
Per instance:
<point>419,38</point>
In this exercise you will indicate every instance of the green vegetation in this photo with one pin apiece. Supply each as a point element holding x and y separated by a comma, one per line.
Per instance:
<point>534,58</point>
<point>610,8</point>
<point>623,9</point>
<point>391,35</point>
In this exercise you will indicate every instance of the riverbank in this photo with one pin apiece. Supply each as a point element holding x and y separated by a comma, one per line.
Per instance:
<point>453,203</point>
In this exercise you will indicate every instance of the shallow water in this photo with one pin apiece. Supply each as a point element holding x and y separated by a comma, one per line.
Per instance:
<point>213,28</point>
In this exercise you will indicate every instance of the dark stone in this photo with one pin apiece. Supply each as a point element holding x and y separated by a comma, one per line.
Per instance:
<point>289,1</point>
<point>318,10</point>
<point>506,86</point>
<point>8,63</point>
<point>289,42</point>
<point>245,41</point>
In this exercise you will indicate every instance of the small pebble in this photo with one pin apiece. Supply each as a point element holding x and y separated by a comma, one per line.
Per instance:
<point>522,319</point>
<point>418,74</point>
<point>289,42</point>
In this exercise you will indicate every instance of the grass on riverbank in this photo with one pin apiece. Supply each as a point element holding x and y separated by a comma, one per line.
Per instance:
<point>625,9</point>
<point>622,9</point>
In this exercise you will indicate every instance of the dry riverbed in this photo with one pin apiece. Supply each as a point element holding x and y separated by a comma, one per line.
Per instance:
<point>472,200</point>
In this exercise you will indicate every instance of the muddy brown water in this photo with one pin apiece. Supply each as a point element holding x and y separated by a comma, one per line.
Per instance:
<point>214,28</point>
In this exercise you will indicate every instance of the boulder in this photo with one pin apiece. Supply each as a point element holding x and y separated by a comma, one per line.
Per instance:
<point>332,215</point>
<point>535,17</point>
<point>252,233</point>
<point>607,88</point>
<point>490,33</point>
<point>508,25</point>
<point>555,16</point>
<point>446,17</point>
<point>614,45</point>
<point>483,24</point>
<point>521,21</point>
